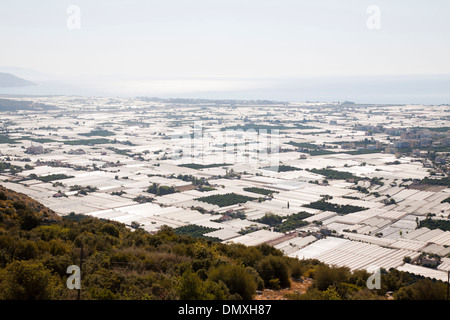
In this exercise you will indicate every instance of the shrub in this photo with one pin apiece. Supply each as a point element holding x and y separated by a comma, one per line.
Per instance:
<point>27,280</point>
<point>110,229</point>
<point>237,279</point>
<point>326,276</point>
<point>274,267</point>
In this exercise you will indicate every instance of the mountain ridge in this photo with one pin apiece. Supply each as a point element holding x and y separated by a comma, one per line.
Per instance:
<point>8,80</point>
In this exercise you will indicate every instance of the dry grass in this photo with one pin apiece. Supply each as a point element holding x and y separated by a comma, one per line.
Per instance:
<point>297,287</point>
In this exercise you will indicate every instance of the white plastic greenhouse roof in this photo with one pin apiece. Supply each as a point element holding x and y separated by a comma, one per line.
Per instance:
<point>426,272</point>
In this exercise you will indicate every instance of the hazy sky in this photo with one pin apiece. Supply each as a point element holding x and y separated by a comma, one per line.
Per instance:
<point>248,38</point>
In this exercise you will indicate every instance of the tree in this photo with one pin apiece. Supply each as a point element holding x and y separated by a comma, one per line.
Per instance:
<point>27,280</point>
<point>271,219</point>
<point>425,289</point>
<point>217,290</point>
<point>326,276</point>
<point>237,279</point>
<point>331,294</point>
<point>274,267</point>
<point>28,219</point>
<point>110,229</point>
<point>191,287</point>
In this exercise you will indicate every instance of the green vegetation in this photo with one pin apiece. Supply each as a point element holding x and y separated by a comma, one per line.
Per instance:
<point>437,182</point>
<point>312,149</point>
<point>293,222</point>
<point>447,200</point>
<point>75,217</point>
<point>236,215</point>
<point>436,129</point>
<point>83,190</point>
<point>160,190</point>
<point>6,166</point>
<point>270,219</point>
<point>281,168</point>
<point>285,224</point>
<point>51,177</point>
<point>361,189</point>
<point>203,166</point>
<point>357,143</point>
<point>98,133</point>
<point>351,197</point>
<point>120,151</point>
<point>6,139</point>
<point>224,200</point>
<point>435,224</point>
<point>240,281</point>
<point>196,231</point>
<point>334,174</point>
<point>143,199</point>
<point>262,191</point>
<point>363,151</point>
<point>122,264</point>
<point>274,271</point>
<point>396,162</point>
<point>327,206</point>
<point>205,188</point>
<point>195,181</point>
<point>38,140</point>
<point>320,152</point>
<point>118,193</point>
<point>87,142</point>
<point>377,181</point>
<point>342,284</point>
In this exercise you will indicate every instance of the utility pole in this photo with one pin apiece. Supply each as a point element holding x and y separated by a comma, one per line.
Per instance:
<point>448,282</point>
<point>81,263</point>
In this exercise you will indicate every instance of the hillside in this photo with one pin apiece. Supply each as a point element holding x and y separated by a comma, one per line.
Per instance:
<point>14,105</point>
<point>36,247</point>
<point>10,80</point>
<point>20,209</point>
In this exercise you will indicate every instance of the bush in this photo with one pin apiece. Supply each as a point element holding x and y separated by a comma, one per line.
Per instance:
<point>191,287</point>
<point>423,290</point>
<point>274,267</point>
<point>3,196</point>
<point>270,219</point>
<point>237,279</point>
<point>110,229</point>
<point>297,268</point>
<point>26,280</point>
<point>28,220</point>
<point>25,250</point>
<point>326,276</point>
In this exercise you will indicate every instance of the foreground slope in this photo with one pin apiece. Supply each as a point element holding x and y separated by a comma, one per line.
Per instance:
<point>37,246</point>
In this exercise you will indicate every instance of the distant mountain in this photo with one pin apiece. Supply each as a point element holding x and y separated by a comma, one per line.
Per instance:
<point>29,74</point>
<point>10,80</point>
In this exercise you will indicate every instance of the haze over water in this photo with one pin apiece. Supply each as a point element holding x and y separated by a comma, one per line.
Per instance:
<point>359,89</point>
